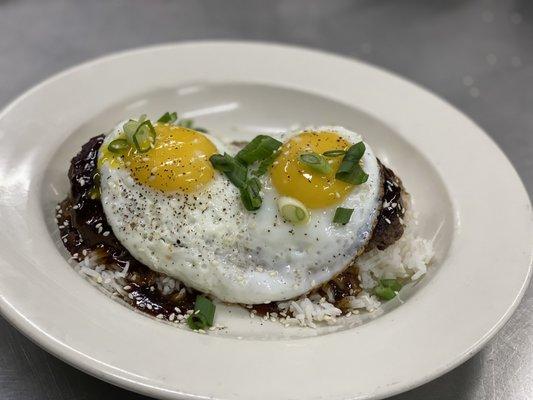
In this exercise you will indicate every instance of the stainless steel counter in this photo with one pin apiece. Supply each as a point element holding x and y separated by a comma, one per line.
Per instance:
<point>476,54</point>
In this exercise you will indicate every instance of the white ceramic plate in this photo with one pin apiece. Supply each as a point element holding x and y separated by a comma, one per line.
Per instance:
<point>463,187</point>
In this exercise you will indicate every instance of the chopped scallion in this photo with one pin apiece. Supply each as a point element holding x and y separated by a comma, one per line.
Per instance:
<point>203,315</point>
<point>144,137</point>
<point>260,148</point>
<point>384,293</point>
<point>118,145</point>
<point>342,215</point>
<point>334,153</point>
<point>234,170</point>
<point>129,129</point>
<point>387,288</point>
<point>293,210</point>
<point>267,162</point>
<point>168,118</point>
<point>263,148</point>
<point>391,283</point>
<point>350,171</point>
<point>356,177</point>
<point>316,162</point>
<point>250,196</point>
<point>222,163</point>
<point>131,126</point>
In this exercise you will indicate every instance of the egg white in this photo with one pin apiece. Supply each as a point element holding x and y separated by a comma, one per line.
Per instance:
<point>306,256</point>
<point>210,242</point>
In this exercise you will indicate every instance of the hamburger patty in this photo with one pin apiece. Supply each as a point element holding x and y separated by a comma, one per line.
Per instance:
<point>389,225</point>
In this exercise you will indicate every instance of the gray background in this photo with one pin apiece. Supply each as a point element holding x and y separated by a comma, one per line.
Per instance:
<point>476,54</point>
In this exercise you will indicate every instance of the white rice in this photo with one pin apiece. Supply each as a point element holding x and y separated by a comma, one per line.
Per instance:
<point>113,282</point>
<point>408,258</point>
<point>308,310</point>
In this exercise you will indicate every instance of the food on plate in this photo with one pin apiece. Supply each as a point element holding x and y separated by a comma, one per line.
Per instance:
<point>303,227</point>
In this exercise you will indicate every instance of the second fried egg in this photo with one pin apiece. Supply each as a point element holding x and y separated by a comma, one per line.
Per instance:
<point>314,252</point>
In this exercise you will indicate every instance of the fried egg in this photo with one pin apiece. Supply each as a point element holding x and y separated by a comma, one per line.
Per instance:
<point>305,256</point>
<point>177,215</point>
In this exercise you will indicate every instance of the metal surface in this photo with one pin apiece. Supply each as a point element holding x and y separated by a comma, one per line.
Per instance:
<point>476,54</point>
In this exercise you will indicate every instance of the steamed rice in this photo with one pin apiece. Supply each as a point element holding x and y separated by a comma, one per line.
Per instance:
<point>408,258</point>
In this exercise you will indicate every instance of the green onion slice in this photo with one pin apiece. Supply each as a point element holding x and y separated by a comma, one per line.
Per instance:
<point>387,288</point>
<point>356,177</point>
<point>234,170</point>
<point>293,210</point>
<point>222,163</point>
<point>168,118</point>
<point>131,127</point>
<point>237,173</point>
<point>316,162</point>
<point>144,137</point>
<point>334,153</point>
<point>254,185</point>
<point>250,194</point>
<point>203,315</point>
<point>118,145</point>
<point>260,148</point>
<point>265,164</point>
<point>172,117</point>
<point>391,283</point>
<point>342,215</point>
<point>350,171</point>
<point>384,293</point>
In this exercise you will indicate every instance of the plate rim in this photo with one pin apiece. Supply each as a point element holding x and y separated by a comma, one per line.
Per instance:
<point>64,353</point>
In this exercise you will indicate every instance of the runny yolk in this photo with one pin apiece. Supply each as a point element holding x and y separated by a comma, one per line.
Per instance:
<point>295,179</point>
<point>179,160</point>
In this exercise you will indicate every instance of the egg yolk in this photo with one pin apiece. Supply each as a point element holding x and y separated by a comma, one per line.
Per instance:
<point>295,179</point>
<point>179,160</point>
